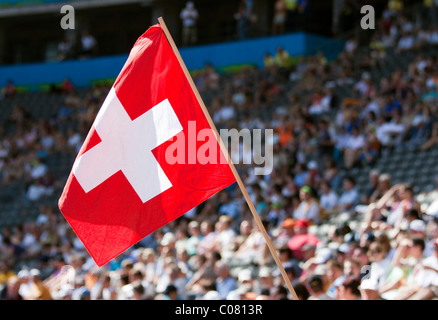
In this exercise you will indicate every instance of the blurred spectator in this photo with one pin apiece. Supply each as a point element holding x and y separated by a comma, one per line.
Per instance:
<point>244,17</point>
<point>369,290</point>
<point>282,59</point>
<point>372,187</point>
<point>317,289</point>
<point>189,16</point>
<point>406,42</point>
<point>329,198</point>
<point>408,254</point>
<point>268,61</point>
<point>301,238</point>
<point>38,290</point>
<point>225,283</point>
<point>354,144</point>
<point>349,197</point>
<point>285,233</point>
<point>37,191</point>
<point>280,293</point>
<point>349,289</point>
<point>8,91</point>
<point>171,293</point>
<point>67,86</point>
<point>309,208</point>
<point>5,273</point>
<point>395,7</point>
<point>380,263</point>
<point>301,291</point>
<point>64,49</point>
<point>10,291</point>
<point>335,275</point>
<point>302,10</point>
<point>88,45</point>
<point>425,282</point>
<point>280,16</point>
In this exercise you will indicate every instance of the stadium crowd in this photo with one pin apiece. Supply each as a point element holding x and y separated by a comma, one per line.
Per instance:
<point>386,248</point>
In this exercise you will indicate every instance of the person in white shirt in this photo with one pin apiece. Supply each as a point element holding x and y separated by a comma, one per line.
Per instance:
<point>308,208</point>
<point>425,286</point>
<point>406,42</point>
<point>380,265</point>
<point>189,15</point>
<point>390,133</point>
<point>354,144</point>
<point>89,44</point>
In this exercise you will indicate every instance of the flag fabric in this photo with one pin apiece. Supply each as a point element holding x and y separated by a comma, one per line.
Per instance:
<point>122,187</point>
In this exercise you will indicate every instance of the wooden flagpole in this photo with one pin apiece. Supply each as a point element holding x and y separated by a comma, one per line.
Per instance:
<point>230,162</point>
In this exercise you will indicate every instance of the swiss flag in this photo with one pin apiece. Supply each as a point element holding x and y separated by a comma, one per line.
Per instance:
<point>122,187</point>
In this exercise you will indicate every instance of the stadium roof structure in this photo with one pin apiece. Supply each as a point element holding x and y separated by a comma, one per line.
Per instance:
<point>24,7</point>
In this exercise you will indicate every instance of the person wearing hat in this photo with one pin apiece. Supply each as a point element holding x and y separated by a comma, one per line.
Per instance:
<point>301,238</point>
<point>286,232</point>
<point>369,290</point>
<point>309,207</point>
<point>38,290</point>
<point>25,283</point>
<point>245,285</point>
<point>316,262</point>
<point>267,279</point>
<point>417,228</point>
<point>225,283</point>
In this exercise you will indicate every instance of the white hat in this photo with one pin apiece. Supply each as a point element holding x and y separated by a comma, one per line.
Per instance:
<point>168,238</point>
<point>35,272</point>
<point>344,248</point>
<point>320,270</point>
<point>212,295</point>
<point>23,274</point>
<point>312,165</point>
<point>432,210</point>
<point>366,75</point>
<point>417,225</point>
<point>244,275</point>
<point>264,272</point>
<point>323,255</point>
<point>417,120</point>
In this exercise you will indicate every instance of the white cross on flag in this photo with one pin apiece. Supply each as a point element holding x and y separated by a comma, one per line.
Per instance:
<point>121,188</point>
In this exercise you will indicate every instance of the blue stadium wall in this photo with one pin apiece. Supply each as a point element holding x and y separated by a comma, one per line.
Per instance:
<point>83,73</point>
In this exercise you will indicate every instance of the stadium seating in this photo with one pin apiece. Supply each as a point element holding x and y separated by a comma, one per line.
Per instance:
<point>402,165</point>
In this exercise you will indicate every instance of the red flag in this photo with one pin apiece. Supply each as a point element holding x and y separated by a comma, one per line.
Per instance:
<point>122,187</point>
